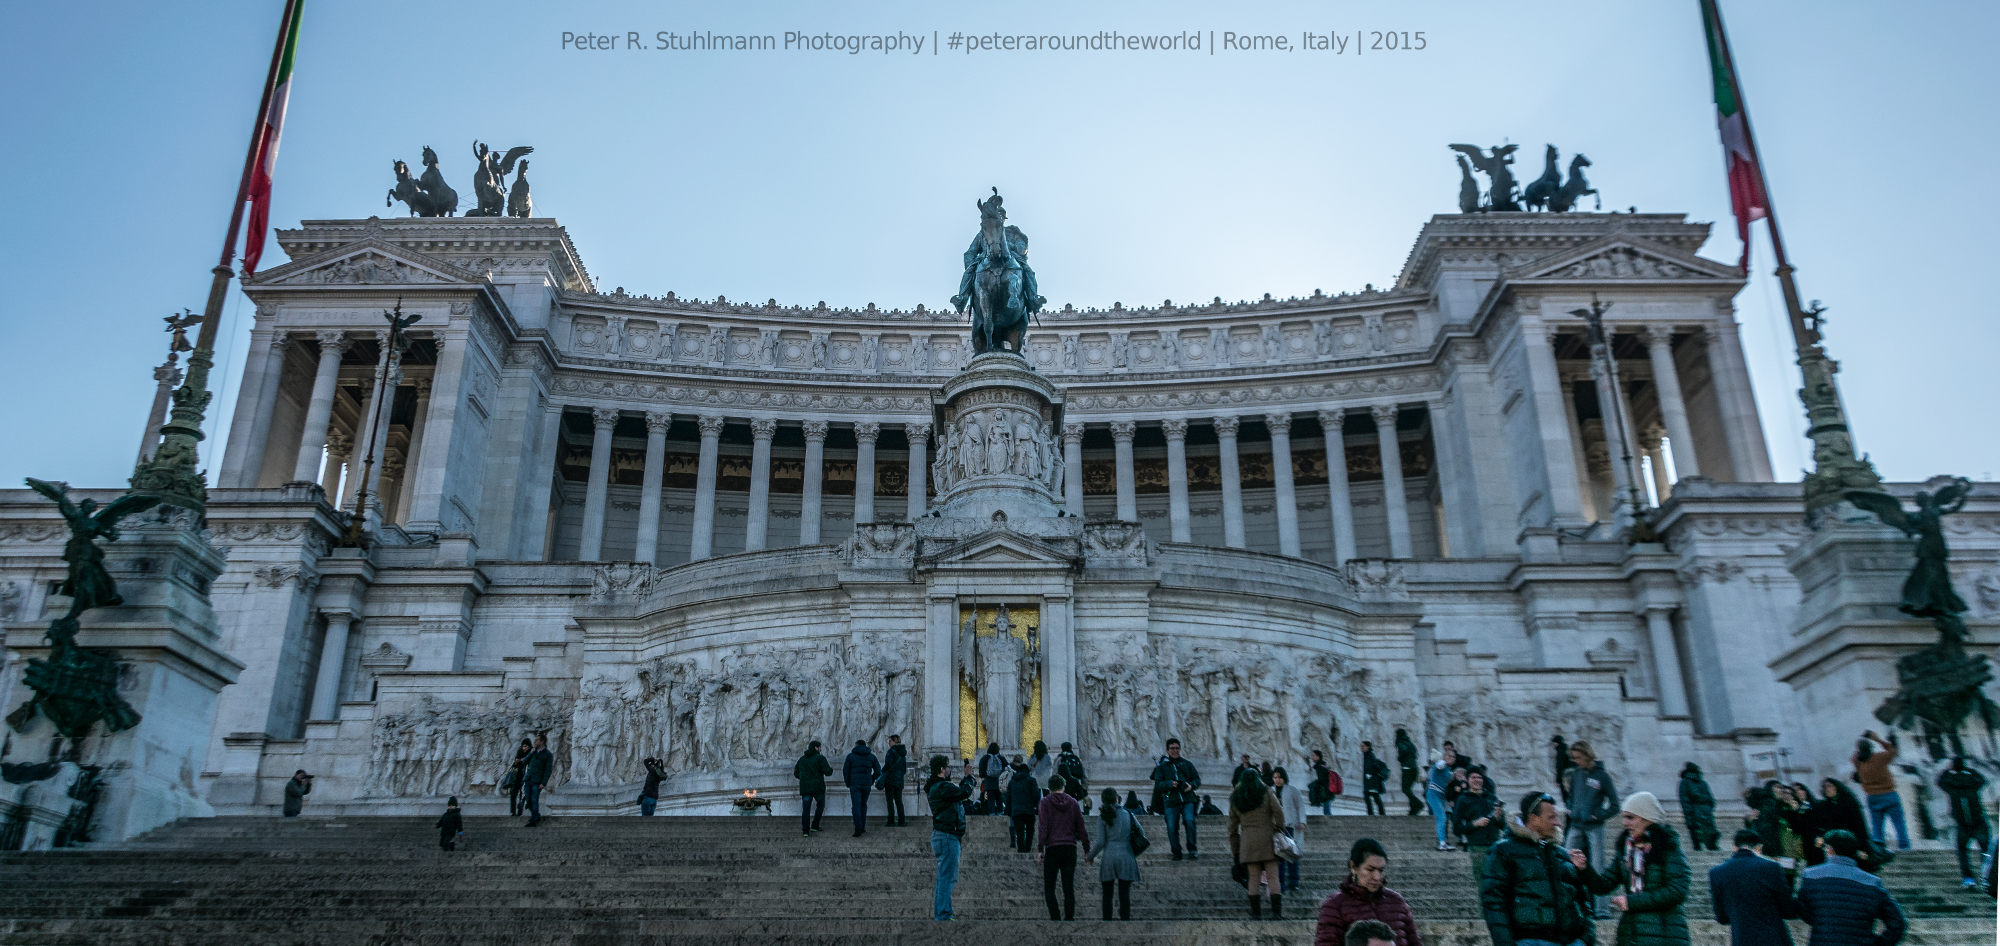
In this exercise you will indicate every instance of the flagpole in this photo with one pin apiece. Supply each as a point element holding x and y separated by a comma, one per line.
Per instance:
<point>1835,467</point>
<point>171,472</point>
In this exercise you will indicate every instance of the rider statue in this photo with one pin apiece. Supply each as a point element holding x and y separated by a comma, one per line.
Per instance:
<point>991,212</point>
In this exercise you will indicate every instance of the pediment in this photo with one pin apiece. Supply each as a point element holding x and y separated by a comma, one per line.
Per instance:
<point>370,262</point>
<point>1000,546</point>
<point>1620,257</point>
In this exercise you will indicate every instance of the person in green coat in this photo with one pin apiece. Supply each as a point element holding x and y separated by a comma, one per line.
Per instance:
<point>1698,807</point>
<point>811,770</point>
<point>1647,875</point>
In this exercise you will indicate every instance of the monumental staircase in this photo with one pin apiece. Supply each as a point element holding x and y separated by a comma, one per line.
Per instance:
<point>598,881</point>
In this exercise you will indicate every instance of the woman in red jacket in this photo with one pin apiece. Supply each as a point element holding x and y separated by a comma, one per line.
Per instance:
<point>1363,896</point>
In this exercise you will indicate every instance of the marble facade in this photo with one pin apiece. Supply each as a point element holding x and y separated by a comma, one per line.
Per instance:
<point>709,530</point>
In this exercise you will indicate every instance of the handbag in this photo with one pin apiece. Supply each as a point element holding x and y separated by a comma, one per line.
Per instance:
<point>1139,840</point>
<point>510,781</point>
<point>1286,848</point>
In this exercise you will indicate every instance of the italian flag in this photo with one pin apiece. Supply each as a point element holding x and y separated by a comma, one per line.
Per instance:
<point>267,145</point>
<point>1747,196</point>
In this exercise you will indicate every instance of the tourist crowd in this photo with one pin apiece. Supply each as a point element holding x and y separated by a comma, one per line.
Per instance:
<point>1548,865</point>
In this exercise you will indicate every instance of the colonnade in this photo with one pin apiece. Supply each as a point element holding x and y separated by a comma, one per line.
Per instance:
<point>701,543</point>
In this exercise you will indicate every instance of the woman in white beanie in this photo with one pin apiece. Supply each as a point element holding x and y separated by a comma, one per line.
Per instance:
<point>1649,874</point>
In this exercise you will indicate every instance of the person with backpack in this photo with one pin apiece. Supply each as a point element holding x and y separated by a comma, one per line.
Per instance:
<point>1698,807</point>
<point>992,766</point>
<point>1070,766</point>
<point>1325,785</point>
<point>1374,780</point>
<point>859,771</point>
<point>1119,839</point>
<point>1962,784</point>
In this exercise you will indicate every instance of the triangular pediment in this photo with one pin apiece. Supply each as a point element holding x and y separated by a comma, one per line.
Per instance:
<point>1623,257</point>
<point>999,546</point>
<point>369,262</point>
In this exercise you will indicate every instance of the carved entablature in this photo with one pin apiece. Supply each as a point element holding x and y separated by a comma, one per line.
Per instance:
<point>504,249</point>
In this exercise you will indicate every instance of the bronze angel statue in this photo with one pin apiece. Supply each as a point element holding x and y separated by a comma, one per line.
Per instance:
<point>89,585</point>
<point>489,182</point>
<point>1928,592</point>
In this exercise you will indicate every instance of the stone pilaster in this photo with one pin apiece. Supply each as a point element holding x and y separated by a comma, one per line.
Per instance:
<point>1393,499</point>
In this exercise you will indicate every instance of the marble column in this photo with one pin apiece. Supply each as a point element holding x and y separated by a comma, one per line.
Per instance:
<point>648,548</point>
<point>920,439</point>
<point>1649,447</point>
<point>407,492</point>
<point>1749,460</point>
<point>1072,438</point>
<point>597,493</point>
<point>256,365</point>
<point>1059,670</point>
<point>339,448</point>
<point>864,471</point>
<point>1339,500</point>
<point>381,441</point>
<point>319,410</point>
<point>809,501</point>
<point>250,460</point>
<point>1673,408</point>
<point>1232,483</point>
<point>441,421</point>
<point>1585,491</point>
<point>1396,504</point>
<point>166,377</point>
<point>1282,491</point>
<point>1122,432</point>
<point>1180,521</point>
<point>1558,447</point>
<point>702,545</point>
<point>539,514</point>
<point>1617,438</point>
<point>757,528</point>
<point>1666,661</point>
<point>332,659</point>
<point>366,445</point>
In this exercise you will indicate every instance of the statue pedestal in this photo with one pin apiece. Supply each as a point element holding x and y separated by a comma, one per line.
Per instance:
<point>998,457</point>
<point>171,668</point>
<point>1847,634</point>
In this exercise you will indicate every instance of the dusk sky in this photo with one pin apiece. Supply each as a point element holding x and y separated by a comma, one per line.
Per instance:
<point>807,175</point>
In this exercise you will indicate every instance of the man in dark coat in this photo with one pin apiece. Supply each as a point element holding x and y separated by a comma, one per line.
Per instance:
<point>1698,807</point>
<point>1024,798</point>
<point>534,774</point>
<point>1406,758</point>
<point>1962,785</point>
<point>1529,889</point>
<point>1175,782</point>
<point>811,770</point>
<point>1842,902</point>
<point>1374,780</point>
<point>296,791</point>
<point>895,769</point>
<point>859,772</point>
<point>1070,766</point>
<point>1751,895</point>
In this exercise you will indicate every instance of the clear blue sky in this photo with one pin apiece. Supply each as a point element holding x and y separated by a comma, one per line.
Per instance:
<point>1140,176</point>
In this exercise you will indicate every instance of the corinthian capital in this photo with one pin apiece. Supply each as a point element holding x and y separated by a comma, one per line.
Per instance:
<point>1175,428</point>
<point>1227,426</point>
<point>603,418</point>
<point>1385,415</point>
<point>710,424</point>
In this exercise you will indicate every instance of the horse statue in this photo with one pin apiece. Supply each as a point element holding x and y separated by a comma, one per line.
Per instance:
<point>1545,188</point>
<point>997,282</point>
<point>428,197</point>
<point>1574,188</point>
<point>1468,188</point>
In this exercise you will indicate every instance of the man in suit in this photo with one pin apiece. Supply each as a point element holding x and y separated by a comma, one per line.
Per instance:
<point>1752,896</point>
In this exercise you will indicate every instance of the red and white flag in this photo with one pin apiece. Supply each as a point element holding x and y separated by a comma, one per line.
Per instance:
<point>267,146</point>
